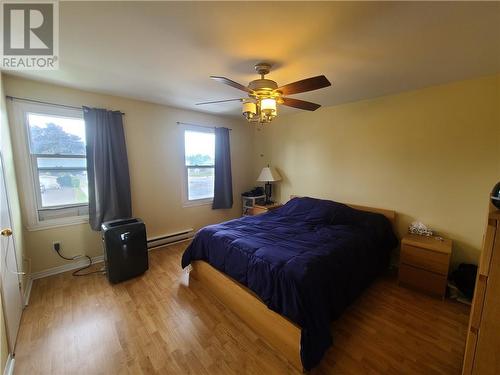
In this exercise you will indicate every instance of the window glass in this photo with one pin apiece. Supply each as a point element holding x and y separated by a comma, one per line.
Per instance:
<point>199,158</point>
<point>61,163</point>
<point>61,188</point>
<point>57,146</point>
<point>56,135</point>
<point>200,148</point>
<point>200,183</point>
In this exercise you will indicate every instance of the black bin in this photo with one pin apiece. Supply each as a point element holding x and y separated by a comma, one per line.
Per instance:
<point>125,249</point>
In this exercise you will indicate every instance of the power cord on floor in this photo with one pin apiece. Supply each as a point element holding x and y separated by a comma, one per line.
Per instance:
<point>77,272</point>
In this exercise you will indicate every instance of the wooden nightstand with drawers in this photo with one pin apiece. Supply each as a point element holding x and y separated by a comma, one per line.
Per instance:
<point>424,263</point>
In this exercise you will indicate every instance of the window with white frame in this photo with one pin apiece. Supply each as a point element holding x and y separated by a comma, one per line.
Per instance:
<point>57,150</point>
<point>199,159</point>
<point>51,145</point>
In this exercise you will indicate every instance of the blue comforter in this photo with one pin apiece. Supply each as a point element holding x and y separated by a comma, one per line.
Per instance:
<point>307,260</point>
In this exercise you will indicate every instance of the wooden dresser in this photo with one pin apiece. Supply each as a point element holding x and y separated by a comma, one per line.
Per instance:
<point>424,263</point>
<point>482,352</point>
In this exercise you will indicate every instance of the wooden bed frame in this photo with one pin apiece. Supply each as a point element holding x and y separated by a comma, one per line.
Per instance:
<point>279,332</point>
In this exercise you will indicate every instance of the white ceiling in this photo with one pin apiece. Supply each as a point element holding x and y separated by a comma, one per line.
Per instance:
<point>163,52</point>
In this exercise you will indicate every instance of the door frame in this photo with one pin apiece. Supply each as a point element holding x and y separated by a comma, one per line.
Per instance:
<point>11,342</point>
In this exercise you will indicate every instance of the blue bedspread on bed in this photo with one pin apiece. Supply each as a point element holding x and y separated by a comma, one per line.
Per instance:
<point>307,260</point>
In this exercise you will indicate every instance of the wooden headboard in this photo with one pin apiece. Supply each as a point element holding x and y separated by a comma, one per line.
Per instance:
<point>391,215</point>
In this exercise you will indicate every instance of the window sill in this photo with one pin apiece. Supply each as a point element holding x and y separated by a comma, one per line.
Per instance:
<point>198,202</point>
<point>50,224</point>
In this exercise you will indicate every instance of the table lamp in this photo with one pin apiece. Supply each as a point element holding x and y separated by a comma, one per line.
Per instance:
<point>268,175</point>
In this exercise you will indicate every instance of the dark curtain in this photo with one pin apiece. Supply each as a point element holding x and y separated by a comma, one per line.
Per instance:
<point>107,167</point>
<point>223,184</point>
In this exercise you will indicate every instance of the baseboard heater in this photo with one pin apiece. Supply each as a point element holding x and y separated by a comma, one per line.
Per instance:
<point>167,239</point>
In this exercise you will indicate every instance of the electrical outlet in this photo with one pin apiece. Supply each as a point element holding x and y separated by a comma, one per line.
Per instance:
<point>56,246</point>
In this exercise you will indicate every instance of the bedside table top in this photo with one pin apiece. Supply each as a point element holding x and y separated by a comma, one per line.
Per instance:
<point>253,196</point>
<point>271,206</point>
<point>430,243</point>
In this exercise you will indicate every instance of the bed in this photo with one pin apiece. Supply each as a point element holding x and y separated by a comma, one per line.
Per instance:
<point>290,272</point>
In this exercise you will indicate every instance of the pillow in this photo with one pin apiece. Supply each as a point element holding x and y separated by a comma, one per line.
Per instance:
<point>312,210</point>
<point>376,225</point>
<point>322,211</point>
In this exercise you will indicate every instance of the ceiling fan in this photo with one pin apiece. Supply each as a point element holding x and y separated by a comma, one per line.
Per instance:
<point>264,94</point>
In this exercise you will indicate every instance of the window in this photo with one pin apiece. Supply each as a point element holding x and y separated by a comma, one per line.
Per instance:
<point>199,156</point>
<point>53,167</point>
<point>57,148</point>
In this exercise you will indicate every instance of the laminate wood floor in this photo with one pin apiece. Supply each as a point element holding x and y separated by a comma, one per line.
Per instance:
<point>159,324</point>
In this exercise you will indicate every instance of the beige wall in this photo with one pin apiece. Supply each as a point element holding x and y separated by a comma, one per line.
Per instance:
<point>432,155</point>
<point>154,144</point>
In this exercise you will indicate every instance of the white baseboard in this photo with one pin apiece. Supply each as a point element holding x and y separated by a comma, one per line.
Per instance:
<point>66,267</point>
<point>9,366</point>
<point>27,291</point>
<point>170,243</point>
<point>170,238</point>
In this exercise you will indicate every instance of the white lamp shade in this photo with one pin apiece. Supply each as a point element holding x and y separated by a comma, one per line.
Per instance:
<point>269,174</point>
<point>268,105</point>
<point>250,108</point>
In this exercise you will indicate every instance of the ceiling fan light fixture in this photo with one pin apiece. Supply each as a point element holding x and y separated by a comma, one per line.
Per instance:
<point>249,109</point>
<point>268,110</point>
<point>268,106</point>
<point>264,94</point>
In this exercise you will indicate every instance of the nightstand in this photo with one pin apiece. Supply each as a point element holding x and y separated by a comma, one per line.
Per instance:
<point>249,202</point>
<point>260,209</point>
<point>424,263</point>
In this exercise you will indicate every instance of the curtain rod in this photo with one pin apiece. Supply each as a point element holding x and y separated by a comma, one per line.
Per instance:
<point>200,126</point>
<point>41,102</point>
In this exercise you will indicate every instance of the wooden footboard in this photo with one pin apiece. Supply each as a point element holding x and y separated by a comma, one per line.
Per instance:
<point>277,331</point>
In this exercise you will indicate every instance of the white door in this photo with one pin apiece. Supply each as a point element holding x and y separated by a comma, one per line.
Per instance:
<point>11,288</point>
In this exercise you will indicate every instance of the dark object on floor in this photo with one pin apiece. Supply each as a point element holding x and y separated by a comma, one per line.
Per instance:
<point>465,278</point>
<point>125,249</point>
<point>495,196</point>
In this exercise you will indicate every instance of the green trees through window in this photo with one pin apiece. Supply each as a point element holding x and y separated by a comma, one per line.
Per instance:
<point>57,147</point>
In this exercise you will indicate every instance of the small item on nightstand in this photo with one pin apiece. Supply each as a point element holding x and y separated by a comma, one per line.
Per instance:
<point>255,192</point>
<point>420,229</point>
<point>249,201</point>
<point>268,175</point>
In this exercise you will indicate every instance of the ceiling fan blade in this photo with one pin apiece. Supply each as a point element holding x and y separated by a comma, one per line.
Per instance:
<point>300,104</point>
<point>231,83</point>
<point>308,84</point>
<point>220,101</point>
